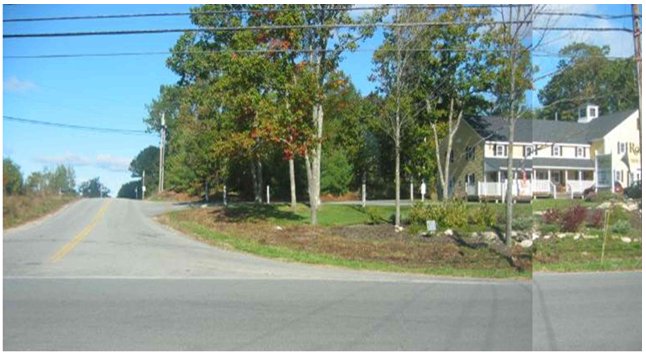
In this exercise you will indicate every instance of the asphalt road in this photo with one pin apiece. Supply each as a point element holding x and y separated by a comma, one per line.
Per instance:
<point>103,275</point>
<point>587,311</point>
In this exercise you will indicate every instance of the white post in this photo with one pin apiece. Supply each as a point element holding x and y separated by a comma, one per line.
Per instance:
<point>423,190</point>
<point>267,194</point>
<point>412,193</point>
<point>143,185</point>
<point>224,195</point>
<point>363,195</point>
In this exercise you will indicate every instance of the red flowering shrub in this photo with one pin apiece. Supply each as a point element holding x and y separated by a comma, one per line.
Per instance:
<point>595,218</point>
<point>552,216</point>
<point>573,218</point>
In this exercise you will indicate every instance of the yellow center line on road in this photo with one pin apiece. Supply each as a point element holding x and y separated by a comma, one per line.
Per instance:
<point>82,234</point>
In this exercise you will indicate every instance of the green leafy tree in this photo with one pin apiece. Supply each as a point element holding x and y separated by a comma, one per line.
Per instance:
<point>131,189</point>
<point>588,75</point>
<point>11,177</point>
<point>93,188</point>
<point>147,160</point>
<point>337,173</point>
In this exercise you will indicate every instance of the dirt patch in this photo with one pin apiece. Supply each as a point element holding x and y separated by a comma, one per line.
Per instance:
<point>350,196</point>
<point>379,243</point>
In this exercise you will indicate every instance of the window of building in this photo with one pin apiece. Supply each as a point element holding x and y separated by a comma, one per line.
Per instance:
<point>541,175</point>
<point>500,150</point>
<point>580,152</point>
<point>470,152</point>
<point>618,175</point>
<point>528,150</point>
<point>621,147</point>
<point>593,112</point>
<point>557,150</point>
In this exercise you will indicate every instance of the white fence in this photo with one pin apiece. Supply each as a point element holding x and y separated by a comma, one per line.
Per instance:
<point>578,186</point>
<point>527,188</point>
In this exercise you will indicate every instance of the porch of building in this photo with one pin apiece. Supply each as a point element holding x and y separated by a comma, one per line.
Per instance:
<point>529,184</point>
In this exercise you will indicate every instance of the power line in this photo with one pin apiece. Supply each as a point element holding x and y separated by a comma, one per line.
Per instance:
<point>217,12</point>
<point>71,126</point>
<point>584,29</point>
<point>256,28</point>
<point>582,14</point>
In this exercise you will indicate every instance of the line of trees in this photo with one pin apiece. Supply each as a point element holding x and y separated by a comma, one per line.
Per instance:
<point>269,105</point>
<point>59,181</point>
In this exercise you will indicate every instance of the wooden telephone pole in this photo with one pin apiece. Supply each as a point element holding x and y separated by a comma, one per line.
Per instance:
<point>162,144</point>
<point>637,34</point>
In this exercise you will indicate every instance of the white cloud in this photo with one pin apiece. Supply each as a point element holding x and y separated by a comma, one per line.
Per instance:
<point>13,84</point>
<point>65,159</point>
<point>102,161</point>
<point>620,43</point>
<point>111,163</point>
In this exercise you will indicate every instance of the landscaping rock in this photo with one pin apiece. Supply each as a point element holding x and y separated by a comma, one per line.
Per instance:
<point>526,243</point>
<point>399,229</point>
<point>561,235</point>
<point>475,235</point>
<point>278,228</point>
<point>588,236</point>
<point>448,232</point>
<point>489,235</point>
<point>547,236</point>
<point>535,236</point>
<point>626,239</point>
<point>577,236</point>
<point>204,206</point>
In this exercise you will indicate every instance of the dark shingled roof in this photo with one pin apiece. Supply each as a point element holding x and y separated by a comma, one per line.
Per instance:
<point>496,128</point>
<point>563,162</point>
<point>494,164</point>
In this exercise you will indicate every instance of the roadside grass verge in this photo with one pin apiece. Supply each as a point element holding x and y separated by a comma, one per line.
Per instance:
<point>18,210</point>
<point>297,242</point>
<point>328,215</point>
<point>568,254</point>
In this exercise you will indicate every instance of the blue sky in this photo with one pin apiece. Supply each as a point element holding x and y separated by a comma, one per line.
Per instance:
<point>113,91</point>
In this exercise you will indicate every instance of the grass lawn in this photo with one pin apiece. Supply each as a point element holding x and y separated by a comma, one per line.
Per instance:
<point>328,215</point>
<point>568,254</point>
<point>343,238</point>
<point>21,209</point>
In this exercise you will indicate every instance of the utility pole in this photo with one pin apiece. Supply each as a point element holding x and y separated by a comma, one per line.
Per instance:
<point>162,145</point>
<point>143,185</point>
<point>638,60</point>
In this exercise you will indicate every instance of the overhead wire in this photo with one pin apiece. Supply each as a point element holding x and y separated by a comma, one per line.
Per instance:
<point>72,126</point>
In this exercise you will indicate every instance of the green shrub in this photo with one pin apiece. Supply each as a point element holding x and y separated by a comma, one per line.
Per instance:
<point>456,214</point>
<point>620,227</point>
<point>483,215</point>
<point>336,173</point>
<point>548,228</point>
<point>451,214</point>
<point>373,215</point>
<point>522,223</point>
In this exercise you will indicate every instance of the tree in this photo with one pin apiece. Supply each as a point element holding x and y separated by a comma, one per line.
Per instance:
<point>94,188</point>
<point>11,177</point>
<point>61,180</point>
<point>147,160</point>
<point>131,189</point>
<point>588,75</point>
<point>337,173</point>
<point>397,80</point>
<point>514,80</point>
<point>36,183</point>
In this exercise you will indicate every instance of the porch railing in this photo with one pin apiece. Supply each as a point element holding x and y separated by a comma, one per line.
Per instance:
<point>489,188</point>
<point>578,186</point>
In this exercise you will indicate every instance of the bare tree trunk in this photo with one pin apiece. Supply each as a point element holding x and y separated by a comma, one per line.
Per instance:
<point>510,182</point>
<point>292,182</point>
<point>311,190</point>
<point>397,180</point>
<point>256,176</point>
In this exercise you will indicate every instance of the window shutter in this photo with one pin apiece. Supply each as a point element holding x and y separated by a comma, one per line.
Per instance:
<point>618,145</point>
<point>576,152</point>
<point>494,150</point>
